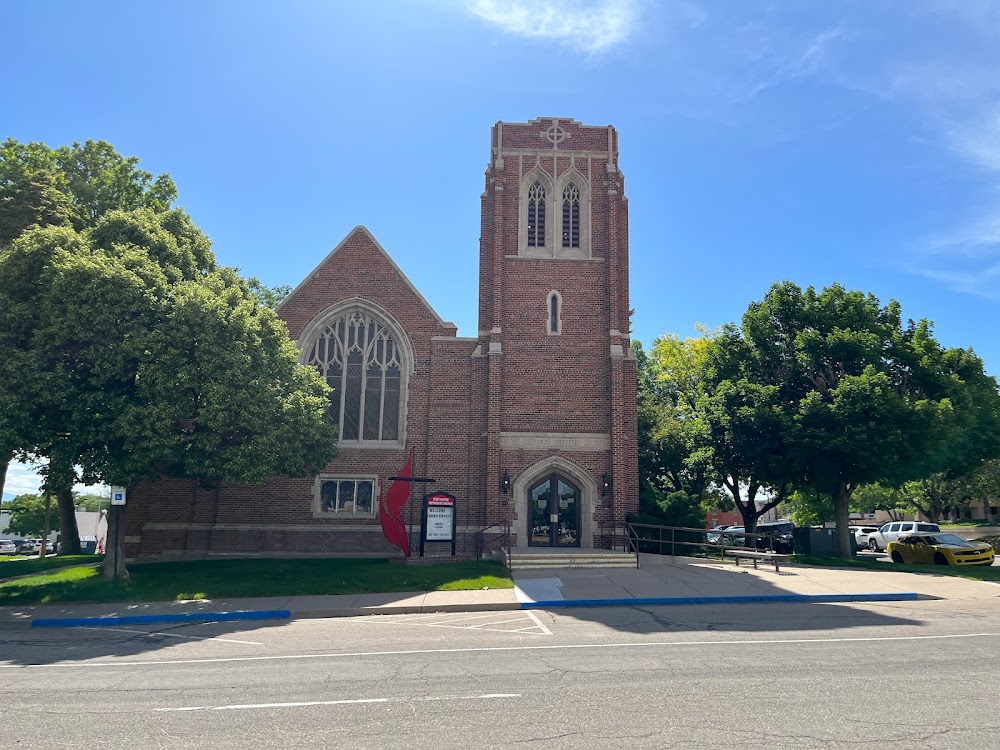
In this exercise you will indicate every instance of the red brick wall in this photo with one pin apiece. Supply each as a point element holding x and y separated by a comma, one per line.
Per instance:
<point>461,396</point>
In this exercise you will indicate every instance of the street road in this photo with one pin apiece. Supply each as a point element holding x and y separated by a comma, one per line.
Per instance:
<point>908,675</point>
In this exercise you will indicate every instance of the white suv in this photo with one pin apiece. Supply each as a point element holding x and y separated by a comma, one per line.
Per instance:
<point>892,531</point>
<point>861,534</point>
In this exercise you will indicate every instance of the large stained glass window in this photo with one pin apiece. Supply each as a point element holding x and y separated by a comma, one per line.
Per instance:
<point>362,362</point>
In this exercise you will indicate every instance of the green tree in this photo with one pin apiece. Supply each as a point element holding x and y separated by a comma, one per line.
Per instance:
<point>132,356</point>
<point>673,452</point>
<point>984,487</point>
<point>853,397</point>
<point>27,516</point>
<point>93,177</point>
<point>69,185</point>
<point>90,502</point>
<point>747,434</point>
<point>807,507</point>
<point>269,296</point>
<point>35,201</point>
<point>869,498</point>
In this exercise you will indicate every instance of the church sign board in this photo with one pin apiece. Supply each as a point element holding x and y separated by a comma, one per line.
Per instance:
<point>438,520</point>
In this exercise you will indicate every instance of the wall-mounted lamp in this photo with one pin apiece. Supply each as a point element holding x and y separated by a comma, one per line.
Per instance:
<point>505,482</point>
<point>605,484</point>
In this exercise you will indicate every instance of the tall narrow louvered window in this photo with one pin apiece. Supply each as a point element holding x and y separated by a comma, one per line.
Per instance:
<point>360,360</point>
<point>536,215</point>
<point>571,216</point>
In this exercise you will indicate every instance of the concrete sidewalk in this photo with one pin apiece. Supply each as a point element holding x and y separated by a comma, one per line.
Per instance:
<point>693,578</point>
<point>657,581</point>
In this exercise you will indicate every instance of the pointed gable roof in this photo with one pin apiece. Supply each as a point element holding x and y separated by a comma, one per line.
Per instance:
<point>360,232</point>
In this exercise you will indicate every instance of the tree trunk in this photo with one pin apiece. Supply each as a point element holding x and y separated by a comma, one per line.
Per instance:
<point>3,475</point>
<point>47,526</point>
<point>69,534</point>
<point>842,515</point>
<point>747,511</point>
<point>114,556</point>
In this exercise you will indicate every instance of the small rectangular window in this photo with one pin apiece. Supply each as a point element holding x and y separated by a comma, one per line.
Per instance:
<point>350,497</point>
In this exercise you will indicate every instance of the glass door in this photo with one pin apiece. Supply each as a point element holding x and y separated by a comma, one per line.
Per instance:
<point>555,513</point>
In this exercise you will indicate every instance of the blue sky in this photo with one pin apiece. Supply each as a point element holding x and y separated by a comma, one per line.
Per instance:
<point>856,141</point>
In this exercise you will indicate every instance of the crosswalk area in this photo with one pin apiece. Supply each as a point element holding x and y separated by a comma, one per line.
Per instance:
<point>524,622</point>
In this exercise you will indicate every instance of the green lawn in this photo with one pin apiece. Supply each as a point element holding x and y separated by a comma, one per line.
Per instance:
<point>969,524</point>
<point>213,579</point>
<point>19,566</point>
<point>976,572</point>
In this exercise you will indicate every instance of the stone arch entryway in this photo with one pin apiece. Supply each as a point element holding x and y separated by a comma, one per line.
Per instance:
<point>554,502</point>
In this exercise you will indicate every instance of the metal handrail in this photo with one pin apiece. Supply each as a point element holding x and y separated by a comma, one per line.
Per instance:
<point>629,545</point>
<point>502,535</point>
<point>635,539</point>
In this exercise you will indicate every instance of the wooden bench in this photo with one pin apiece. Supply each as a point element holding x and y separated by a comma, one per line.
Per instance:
<point>749,554</point>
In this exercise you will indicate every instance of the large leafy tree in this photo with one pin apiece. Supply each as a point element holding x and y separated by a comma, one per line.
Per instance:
<point>675,468</point>
<point>853,396</point>
<point>69,186</point>
<point>133,356</point>
<point>673,453</point>
<point>92,177</point>
<point>747,432</point>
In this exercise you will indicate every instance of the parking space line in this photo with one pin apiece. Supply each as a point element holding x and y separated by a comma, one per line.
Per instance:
<point>461,619</point>
<point>499,622</point>
<point>463,622</point>
<point>346,702</point>
<point>539,623</point>
<point>175,635</point>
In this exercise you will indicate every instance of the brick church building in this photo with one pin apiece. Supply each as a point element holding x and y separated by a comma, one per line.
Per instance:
<point>532,420</point>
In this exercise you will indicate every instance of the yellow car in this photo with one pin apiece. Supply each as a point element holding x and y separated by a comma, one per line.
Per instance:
<point>940,549</point>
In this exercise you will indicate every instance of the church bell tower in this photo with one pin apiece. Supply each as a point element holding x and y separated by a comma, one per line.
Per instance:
<point>560,451</point>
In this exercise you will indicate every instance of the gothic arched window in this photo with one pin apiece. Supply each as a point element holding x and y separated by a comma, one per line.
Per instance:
<point>571,216</point>
<point>555,319</point>
<point>536,215</point>
<point>363,364</point>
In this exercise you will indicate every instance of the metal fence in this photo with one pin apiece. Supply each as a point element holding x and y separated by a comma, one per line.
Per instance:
<point>688,542</point>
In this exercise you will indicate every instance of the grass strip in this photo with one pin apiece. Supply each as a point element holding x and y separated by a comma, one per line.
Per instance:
<point>973,572</point>
<point>19,566</point>
<point>215,579</point>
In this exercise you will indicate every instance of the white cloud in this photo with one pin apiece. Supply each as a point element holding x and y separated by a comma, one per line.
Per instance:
<point>984,282</point>
<point>590,28</point>
<point>791,59</point>
<point>23,479</point>
<point>978,139</point>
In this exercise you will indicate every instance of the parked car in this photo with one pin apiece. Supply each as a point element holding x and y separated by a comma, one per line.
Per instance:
<point>714,535</point>
<point>776,535</point>
<point>890,532</point>
<point>734,536</point>
<point>29,546</point>
<point>861,534</point>
<point>7,547</point>
<point>940,549</point>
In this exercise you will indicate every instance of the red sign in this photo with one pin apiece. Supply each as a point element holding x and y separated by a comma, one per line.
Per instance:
<point>440,500</point>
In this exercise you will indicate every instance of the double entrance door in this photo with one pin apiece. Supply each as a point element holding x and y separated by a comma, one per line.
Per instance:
<point>554,510</point>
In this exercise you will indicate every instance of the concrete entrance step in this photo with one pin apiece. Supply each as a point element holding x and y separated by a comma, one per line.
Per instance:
<point>531,560</point>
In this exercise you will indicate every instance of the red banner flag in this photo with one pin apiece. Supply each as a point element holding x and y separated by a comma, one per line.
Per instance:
<point>390,508</point>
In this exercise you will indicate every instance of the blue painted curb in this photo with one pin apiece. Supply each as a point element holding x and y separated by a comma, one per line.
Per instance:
<point>749,599</point>
<point>98,622</point>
